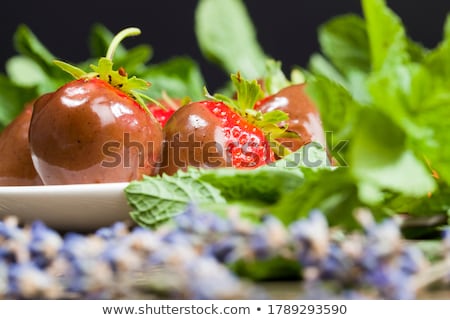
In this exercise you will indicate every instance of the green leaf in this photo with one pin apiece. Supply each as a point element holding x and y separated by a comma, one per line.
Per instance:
<point>274,77</point>
<point>27,44</point>
<point>273,117</point>
<point>248,92</point>
<point>132,60</point>
<point>13,99</point>
<point>338,108</point>
<point>345,43</point>
<point>25,72</point>
<point>447,27</point>
<point>226,36</point>
<point>434,119</point>
<point>319,65</point>
<point>70,69</point>
<point>156,199</point>
<point>265,184</point>
<point>312,155</point>
<point>379,156</point>
<point>386,33</point>
<point>402,92</point>
<point>437,202</point>
<point>39,64</point>
<point>135,59</point>
<point>437,61</point>
<point>179,77</point>
<point>271,269</point>
<point>334,192</point>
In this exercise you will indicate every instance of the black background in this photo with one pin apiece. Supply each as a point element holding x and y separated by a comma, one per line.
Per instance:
<point>286,28</point>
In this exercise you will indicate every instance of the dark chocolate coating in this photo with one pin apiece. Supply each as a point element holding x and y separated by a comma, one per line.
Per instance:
<point>304,118</point>
<point>193,136</point>
<point>16,166</point>
<point>90,132</point>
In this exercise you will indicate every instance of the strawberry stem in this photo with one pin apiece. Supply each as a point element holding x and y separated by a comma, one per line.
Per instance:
<point>118,39</point>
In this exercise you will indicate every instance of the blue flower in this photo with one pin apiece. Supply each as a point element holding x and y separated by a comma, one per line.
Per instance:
<point>45,244</point>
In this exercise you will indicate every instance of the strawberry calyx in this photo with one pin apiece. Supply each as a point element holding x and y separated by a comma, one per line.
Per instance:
<point>117,78</point>
<point>273,123</point>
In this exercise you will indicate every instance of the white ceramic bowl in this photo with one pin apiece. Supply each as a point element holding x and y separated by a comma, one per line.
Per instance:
<point>80,207</point>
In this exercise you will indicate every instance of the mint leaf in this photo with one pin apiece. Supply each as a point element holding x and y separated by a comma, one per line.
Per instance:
<point>338,108</point>
<point>179,77</point>
<point>345,42</point>
<point>226,36</point>
<point>135,59</point>
<point>319,65</point>
<point>13,99</point>
<point>355,81</point>
<point>34,65</point>
<point>312,155</point>
<point>437,61</point>
<point>27,44</point>
<point>264,184</point>
<point>400,91</point>
<point>156,199</point>
<point>276,268</point>
<point>332,191</point>
<point>25,72</point>
<point>386,33</point>
<point>379,155</point>
<point>434,119</point>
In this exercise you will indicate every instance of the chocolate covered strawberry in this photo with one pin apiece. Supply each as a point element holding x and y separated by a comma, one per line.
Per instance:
<point>164,109</point>
<point>222,132</point>
<point>96,128</point>
<point>16,166</point>
<point>304,118</point>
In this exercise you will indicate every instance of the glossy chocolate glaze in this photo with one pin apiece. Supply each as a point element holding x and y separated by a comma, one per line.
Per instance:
<point>193,136</point>
<point>89,132</point>
<point>304,118</point>
<point>16,166</point>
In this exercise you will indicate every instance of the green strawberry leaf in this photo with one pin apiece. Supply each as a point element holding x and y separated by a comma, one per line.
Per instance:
<point>70,69</point>
<point>248,93</point>
<point>117,78</point>
<point>273,123</point>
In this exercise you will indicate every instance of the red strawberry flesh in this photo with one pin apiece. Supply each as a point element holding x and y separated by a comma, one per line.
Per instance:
<point>209,134</point>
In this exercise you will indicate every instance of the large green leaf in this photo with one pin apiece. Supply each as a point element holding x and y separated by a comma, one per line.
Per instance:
<point>379,157</point>
<point>179,77</point>
<point>227,37</point>
<point>13,99</point>
<point>156,199</point>
<point>344,41</point>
